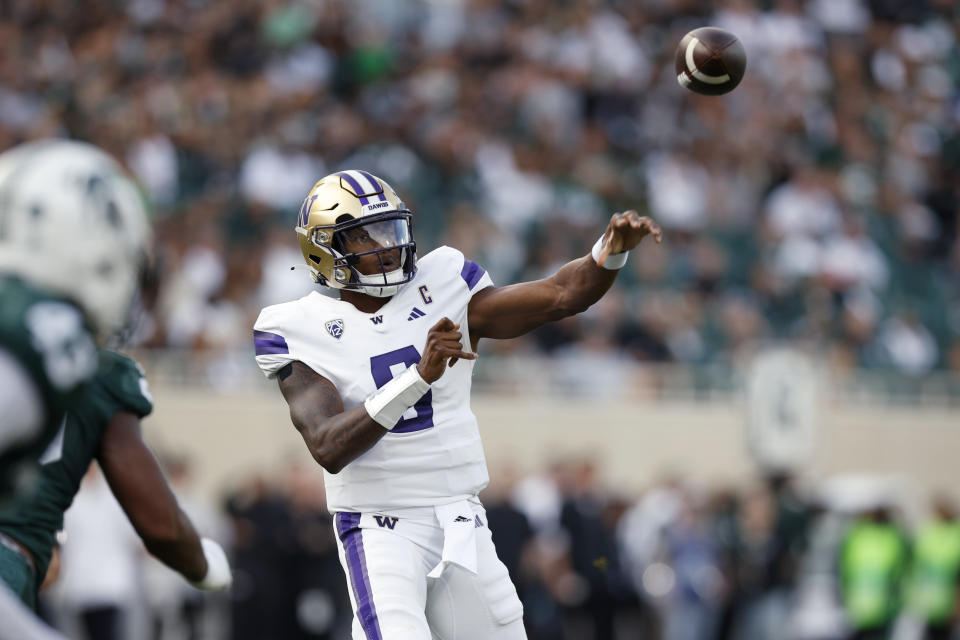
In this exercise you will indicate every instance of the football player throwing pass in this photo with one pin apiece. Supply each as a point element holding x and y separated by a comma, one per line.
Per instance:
<point>378,385</point>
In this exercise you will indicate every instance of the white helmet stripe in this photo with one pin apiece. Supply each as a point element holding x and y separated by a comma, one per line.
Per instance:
<point>364,182</point>
<point>375,184</point>
<point>352,181</point>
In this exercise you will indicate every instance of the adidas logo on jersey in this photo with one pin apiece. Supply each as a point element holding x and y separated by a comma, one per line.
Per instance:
<point>462,519</point>
<point>414,314</point>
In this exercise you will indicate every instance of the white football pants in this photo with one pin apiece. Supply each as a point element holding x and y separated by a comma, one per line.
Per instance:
<point>386,558</point>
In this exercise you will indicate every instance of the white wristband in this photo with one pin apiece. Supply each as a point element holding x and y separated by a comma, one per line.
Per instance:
<point>218,569</point>
<point>387,404</point>
<point>614,260</point>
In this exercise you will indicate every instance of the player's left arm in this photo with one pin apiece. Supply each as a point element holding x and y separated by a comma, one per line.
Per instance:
<point>511,311</point>
<point>135,478</point>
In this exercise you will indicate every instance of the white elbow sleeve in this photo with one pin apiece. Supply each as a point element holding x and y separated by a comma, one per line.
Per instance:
<point>387,404</point>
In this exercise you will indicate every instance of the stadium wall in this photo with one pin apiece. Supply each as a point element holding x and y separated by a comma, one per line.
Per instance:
<point>231,436</point>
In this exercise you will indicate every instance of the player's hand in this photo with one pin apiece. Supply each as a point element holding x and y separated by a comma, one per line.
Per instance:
<point>443,344</point>
<point>218,575</point>
<point>625,232</point>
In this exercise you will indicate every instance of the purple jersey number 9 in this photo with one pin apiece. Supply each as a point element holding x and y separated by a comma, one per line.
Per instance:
<point>380,368</point>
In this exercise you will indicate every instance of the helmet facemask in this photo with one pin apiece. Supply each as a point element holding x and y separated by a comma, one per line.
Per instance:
<point>387,236</point>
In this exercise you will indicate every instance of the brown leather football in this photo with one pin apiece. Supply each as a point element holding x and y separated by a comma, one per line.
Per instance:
<point>710,61</point>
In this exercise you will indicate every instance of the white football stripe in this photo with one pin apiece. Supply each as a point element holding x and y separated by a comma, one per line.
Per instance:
<point>696,73</point>
<point>368,185</point>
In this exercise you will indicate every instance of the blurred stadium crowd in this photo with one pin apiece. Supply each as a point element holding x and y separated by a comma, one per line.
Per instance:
<point>818,202</point>
<point>856,558</point>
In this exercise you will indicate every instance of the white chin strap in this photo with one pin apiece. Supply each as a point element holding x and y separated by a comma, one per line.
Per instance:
<point>385,291</point>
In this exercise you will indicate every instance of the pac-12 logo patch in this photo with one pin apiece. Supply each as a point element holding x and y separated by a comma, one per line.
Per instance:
<point>335,328</point>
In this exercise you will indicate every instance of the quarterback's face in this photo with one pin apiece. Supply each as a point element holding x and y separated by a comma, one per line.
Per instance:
<point>369,240</point>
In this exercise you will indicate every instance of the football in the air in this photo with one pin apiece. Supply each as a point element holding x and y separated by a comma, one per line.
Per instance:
<point>710,61</point>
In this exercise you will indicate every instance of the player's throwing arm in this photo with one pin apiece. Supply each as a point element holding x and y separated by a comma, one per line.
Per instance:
<point>336,437</point>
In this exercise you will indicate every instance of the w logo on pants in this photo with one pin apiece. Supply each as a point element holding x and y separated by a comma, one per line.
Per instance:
<point>386,521</point>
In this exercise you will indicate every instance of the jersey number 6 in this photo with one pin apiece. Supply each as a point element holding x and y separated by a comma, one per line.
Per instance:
<point>380,368</point>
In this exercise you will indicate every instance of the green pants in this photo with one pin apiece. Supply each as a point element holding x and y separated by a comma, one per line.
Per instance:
<point>15,571</point>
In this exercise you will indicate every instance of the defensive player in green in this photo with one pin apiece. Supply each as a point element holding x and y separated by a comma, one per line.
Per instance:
<point>73,241</point>
<point>104,425</point>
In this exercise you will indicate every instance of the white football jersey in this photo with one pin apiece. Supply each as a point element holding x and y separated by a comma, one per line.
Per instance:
<point>434,454</point>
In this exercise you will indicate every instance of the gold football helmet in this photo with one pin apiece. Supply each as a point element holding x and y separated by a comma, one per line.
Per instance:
<point>347,204</point>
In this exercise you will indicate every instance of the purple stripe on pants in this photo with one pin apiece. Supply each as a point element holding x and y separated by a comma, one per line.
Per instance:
<point>350,534</point>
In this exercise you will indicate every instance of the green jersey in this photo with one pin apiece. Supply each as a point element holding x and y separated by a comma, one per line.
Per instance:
<point>47,339</point>
<point>33,519</point>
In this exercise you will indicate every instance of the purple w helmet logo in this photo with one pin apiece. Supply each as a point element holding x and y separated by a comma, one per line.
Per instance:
<point>304,215</point>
